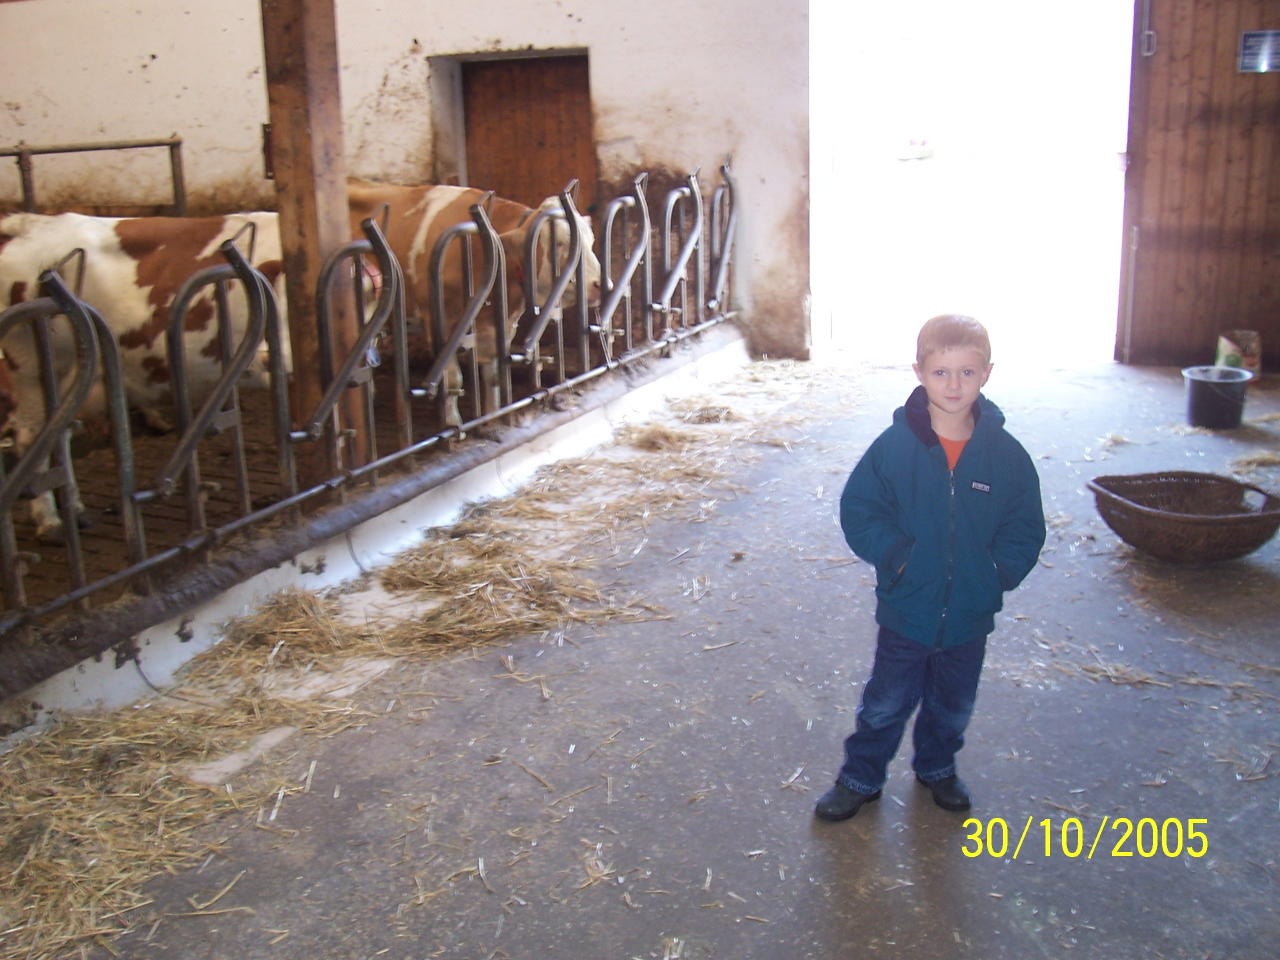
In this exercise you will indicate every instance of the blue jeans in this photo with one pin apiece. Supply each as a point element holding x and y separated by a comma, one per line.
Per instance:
<point>942,681</point>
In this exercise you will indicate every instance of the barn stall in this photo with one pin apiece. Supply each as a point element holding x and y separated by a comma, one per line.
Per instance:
<point>234,489</point>
<point>166,509</point>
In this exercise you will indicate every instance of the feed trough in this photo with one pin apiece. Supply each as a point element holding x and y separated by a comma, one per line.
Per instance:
<point>1187,517</point>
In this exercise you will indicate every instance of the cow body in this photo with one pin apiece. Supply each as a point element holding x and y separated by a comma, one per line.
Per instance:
<point>419,215</point>
<point>134,269</point>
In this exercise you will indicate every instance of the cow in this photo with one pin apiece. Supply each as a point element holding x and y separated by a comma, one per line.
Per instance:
<point>419,215</point>
<point>133,270</point>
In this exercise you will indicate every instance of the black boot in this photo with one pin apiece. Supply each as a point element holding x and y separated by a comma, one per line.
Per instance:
<point>841,803</point>
<point>949,793</point>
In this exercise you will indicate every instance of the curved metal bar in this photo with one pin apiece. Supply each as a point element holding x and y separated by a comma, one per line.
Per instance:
<point>429,386</point>
<point>393,292</point>
<point>444,354</point>
<point>57,268</point>
<point>675,272</point>
<point>250,227</point>
<point>59,302</point>
<point>400,353</point>
<point>723,235</point>
<point>256,291</point>
<point>617,291</point>
<point>279,378</point>
<point>122,444</point>
<point>542,313</point>
<point>501,309</point>
<point>175,346</point>
<point>383,214</point>
<point>529,261</point>
<point>377,245</point>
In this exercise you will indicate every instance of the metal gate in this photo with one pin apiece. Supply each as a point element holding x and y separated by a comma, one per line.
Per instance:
<point>225,484</point>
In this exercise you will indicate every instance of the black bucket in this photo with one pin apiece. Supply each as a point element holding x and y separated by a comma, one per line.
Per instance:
<point>1215,396</point>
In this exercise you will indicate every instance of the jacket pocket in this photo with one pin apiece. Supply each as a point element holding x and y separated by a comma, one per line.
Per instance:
<point>918,585</point>
<point>981,591</point>
<point>896,563</point>
<point>994,570</point>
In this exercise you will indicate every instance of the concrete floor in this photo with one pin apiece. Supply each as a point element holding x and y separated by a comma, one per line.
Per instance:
<point>700,744</point>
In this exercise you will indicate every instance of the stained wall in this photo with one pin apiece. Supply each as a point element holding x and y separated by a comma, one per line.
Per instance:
<point>674,86</point>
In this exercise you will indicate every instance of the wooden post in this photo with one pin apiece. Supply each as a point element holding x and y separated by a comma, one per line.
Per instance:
<point>305,109</point>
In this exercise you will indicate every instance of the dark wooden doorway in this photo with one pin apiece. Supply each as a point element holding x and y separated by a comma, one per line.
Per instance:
<point>529,127</point>
<point>1202,190</point>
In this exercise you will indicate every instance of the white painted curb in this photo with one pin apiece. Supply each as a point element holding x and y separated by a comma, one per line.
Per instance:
<point>98,684</point>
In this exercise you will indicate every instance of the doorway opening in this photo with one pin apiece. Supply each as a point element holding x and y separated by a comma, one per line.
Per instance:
<point>969,158</point>
<point>519,125</point>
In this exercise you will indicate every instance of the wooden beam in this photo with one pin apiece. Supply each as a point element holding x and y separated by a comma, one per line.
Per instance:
<point>305,109</point>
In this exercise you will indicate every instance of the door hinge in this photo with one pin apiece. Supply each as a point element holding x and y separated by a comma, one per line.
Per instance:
<point>1147,39</point>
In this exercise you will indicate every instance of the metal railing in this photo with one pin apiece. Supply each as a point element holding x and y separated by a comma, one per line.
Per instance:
<point>637,270</point>
<point>26,170</point>
<point>489,361</point>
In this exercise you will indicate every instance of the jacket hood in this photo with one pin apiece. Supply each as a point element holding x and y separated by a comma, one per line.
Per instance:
<point>915,413</point>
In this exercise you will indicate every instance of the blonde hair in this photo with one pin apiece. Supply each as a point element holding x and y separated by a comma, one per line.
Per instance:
<point>952,330</point>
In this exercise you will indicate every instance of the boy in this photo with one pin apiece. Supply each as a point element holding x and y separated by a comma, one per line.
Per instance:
<point>946,505</point>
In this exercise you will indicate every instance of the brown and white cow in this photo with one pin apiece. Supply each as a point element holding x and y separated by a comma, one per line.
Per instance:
<point>419,215</point>
<point>134,269</point>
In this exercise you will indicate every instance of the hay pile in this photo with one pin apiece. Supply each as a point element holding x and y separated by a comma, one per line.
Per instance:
<point>482,581</point>
<point>96,806</point>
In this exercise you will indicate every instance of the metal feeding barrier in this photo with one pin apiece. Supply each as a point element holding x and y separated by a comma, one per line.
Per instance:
<point>174,502</point>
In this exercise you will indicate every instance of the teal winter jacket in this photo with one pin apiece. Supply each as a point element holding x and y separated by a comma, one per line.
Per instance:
<point>946,544</point>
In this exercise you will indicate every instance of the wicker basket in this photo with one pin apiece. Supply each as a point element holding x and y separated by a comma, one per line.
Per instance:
<point>1187,517</point>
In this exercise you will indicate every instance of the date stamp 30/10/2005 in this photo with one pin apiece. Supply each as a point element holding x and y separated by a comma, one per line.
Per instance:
<point>1146,838</point>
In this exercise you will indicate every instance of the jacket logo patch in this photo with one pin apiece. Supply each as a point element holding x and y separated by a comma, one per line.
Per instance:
<point>983,487</point>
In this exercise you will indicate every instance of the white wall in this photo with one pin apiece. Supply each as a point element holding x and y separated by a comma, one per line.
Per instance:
<point>92,70</point>
<point>674,85</point>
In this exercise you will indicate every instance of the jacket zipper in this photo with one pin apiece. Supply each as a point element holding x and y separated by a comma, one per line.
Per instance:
<point>951,556</point>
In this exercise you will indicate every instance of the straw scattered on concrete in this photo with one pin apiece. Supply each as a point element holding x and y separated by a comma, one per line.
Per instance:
<point>703,410</point>
<point>656,437</point>
<point>96,806</point>
<point>1113,440</point>
<point>1251,464</point>
<point>1186,430</point>
<point>99,805</point>
<point>488,586</point>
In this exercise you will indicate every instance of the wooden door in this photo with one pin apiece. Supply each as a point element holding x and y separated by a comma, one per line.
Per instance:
<point>1202,189</point>
<point>529,127</point>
